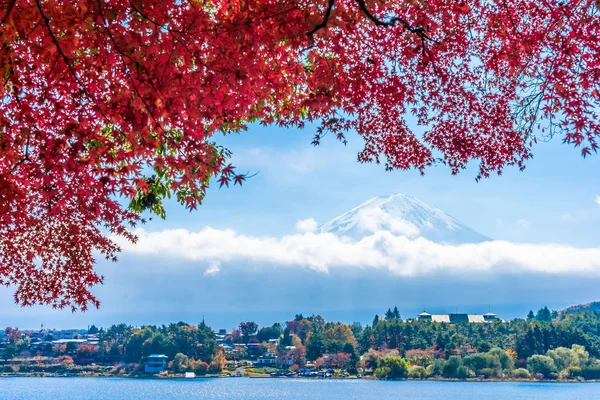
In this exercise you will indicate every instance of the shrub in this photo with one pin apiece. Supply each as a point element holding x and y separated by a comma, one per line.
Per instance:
<point>65,360</point>
<point>591,372</point>
<point>521,373</point>
<point>417,372</point>
<point>371,359</point>
<point>504,359</point>
<point>488,372</point>
<point>218,363</point>
<point>552,375</point>
<point>463,372</point>
<point>538,364</point>
<point>573,372</point>
<point>451,366</point>
<point>476,362</point>
<point>391,367</point>
<point>198,366</point>
<point>179,363</point>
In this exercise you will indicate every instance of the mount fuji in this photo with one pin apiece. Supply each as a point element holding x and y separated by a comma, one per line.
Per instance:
<point>402,215</point>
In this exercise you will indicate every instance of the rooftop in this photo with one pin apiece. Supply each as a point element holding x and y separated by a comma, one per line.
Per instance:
<point>157,356</point>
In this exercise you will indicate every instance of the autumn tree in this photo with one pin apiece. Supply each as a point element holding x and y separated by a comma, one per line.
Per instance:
<point>248,329</point>
<point>13,334</point>
<point>111,99</point>
<point>218,362</point>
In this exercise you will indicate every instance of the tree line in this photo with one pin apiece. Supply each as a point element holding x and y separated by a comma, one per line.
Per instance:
<point>545,345</point>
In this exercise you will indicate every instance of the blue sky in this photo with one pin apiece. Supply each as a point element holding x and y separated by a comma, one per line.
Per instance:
<point>240,255</point>
<point>552,201</point>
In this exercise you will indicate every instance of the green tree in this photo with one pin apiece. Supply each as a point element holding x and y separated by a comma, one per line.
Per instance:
<point>392,367</point>
<point>544,315</point>
<point>564,357</point>
<point>9,352</point>
<point>504,360</point>
<point>267,333</point>
<point>71,347</point>
<point>286,340</point>
<point>538,364</point>
<point>375,320</point>
<point>179,363</point>
<point>417,372</point>
<point>451,367</point>
<point>315,347</point>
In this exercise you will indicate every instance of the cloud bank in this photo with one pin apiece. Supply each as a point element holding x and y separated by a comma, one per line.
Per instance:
<point>381,250</point>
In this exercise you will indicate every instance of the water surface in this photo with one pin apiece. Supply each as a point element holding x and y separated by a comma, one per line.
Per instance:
<point>270,389</point>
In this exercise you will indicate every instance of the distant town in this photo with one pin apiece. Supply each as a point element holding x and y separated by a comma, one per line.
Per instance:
<point>545,345</point>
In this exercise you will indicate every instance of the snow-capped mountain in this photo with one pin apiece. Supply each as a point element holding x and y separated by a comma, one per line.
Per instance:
<point>402,215</point>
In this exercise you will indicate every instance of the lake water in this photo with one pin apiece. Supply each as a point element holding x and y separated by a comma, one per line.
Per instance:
<point>298,389</point>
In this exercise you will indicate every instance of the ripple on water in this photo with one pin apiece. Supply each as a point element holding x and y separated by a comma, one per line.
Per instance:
<point>278,389</point>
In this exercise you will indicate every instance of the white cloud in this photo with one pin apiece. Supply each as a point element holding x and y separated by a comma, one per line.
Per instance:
<point>381,250</point>
<point>213,269</point>
<point>598,200</point>
<point>523,223</point>
<point>306,225</point>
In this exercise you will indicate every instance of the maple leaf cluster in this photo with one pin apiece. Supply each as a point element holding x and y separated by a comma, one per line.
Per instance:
<point>122,98</point>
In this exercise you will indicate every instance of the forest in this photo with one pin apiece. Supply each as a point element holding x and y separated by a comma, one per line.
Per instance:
<point>544,345</point>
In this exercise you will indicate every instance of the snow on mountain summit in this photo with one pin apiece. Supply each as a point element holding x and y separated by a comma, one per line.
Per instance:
<point>402,215</point>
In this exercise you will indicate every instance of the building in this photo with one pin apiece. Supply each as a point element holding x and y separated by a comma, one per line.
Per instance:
<point>155,363</point>
<point>254,349</point>
<point>267,359</point>
<point>456,318</point>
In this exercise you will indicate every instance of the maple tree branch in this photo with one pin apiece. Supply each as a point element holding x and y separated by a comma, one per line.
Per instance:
<point>279,13</point>
<point>419,31</point>
<point>11,5</point>
<point>323,24</point>
<point>26,158</point>
<point>127,72</point>
<point>162,26</point>
<point>66,60</point>
<point>393,21</point>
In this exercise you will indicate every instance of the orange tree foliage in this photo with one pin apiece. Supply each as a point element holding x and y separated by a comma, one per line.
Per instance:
<point>109,98</point>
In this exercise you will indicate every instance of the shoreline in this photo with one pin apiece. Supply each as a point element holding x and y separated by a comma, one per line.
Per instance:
<point>369,378</point>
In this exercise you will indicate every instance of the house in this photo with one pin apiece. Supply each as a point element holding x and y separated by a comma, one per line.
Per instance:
<point>155,363</point>
<point>76,342</point>
<point>254,349</point>
<point>267,359</point>
<point>456,318</point>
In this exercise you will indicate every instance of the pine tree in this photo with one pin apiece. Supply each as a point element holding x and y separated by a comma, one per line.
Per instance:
<point>375,320</point>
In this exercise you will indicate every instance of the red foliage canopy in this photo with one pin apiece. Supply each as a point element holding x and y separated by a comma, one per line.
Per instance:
<point>96,93</point>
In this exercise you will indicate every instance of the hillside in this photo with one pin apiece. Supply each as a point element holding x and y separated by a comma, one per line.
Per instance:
<point>593,306</point>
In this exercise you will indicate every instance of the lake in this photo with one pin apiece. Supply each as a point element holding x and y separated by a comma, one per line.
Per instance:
<point>298,389</point>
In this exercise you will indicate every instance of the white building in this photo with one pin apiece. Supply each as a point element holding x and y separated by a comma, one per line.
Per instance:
<point>267,359</point>
<point>458,318</point>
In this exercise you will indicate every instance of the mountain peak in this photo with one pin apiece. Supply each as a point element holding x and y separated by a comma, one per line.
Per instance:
<point>402,215</point>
